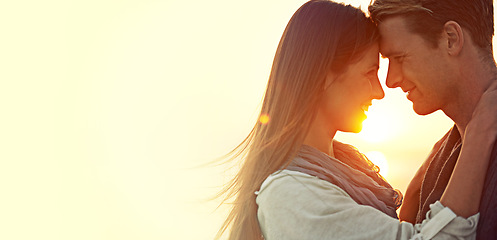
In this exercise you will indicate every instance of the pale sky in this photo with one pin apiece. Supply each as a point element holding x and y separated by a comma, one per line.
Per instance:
<point>111,107</point>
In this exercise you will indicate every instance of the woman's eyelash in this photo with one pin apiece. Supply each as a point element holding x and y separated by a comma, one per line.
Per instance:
<point>373,71</point>
<point>399,58</point>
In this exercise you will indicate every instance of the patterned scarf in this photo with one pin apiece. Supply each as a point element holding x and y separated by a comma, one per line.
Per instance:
<point>362,188</point>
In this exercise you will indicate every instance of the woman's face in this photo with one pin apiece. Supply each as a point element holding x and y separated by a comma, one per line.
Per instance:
<point>349,94</point>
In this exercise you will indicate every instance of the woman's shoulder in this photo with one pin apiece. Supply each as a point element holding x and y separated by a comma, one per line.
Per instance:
<point>295,185</point>
<point>295,205</point>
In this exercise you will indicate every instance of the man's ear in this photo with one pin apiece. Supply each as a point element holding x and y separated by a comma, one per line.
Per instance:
<point>454,35</point>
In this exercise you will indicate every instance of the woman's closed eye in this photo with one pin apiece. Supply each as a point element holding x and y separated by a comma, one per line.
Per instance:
<point>399,58</point>
<point>373,73</point>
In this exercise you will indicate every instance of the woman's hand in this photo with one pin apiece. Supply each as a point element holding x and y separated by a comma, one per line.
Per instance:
<point>484,119</point>
<point>464,190</point>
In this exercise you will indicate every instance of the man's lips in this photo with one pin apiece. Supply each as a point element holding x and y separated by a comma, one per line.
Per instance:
<point>408,92</point>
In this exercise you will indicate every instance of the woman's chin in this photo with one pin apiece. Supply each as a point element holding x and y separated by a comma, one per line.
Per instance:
<point>356,128</point>
<point>356,125</point>
<point>353,124</point>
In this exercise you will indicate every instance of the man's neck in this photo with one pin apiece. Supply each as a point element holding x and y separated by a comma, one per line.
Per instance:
<point>468,96</point>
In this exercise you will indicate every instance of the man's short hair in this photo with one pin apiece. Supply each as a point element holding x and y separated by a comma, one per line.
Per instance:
<point>427,17</point>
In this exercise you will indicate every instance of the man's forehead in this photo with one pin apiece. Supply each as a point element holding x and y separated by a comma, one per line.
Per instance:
<point>392,31</point>
<point>393,23</point>
<point>388,48</point>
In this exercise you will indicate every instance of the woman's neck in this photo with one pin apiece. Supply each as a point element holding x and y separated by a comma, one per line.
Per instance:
<point>321,139</point>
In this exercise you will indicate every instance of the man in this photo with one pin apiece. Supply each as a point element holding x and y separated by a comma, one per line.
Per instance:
<point>440,54</point>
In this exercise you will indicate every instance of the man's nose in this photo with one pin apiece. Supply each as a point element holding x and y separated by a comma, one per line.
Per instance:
<point>394,75</point>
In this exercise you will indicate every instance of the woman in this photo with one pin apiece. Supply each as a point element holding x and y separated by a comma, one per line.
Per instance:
<point>296,182</point>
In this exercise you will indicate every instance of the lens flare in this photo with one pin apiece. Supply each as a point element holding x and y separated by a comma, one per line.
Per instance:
<point>264,119</point>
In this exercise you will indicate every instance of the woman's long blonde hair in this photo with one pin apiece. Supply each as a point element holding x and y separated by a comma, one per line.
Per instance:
<point>321,36</point>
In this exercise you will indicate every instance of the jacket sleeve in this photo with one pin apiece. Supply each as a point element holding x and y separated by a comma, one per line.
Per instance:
<point>300,206</point>
<point>487,228</point>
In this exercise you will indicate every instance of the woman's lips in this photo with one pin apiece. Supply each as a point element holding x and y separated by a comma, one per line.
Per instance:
<point>365,107</point>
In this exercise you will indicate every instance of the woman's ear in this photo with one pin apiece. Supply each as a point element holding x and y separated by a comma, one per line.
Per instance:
<point>454,36</point>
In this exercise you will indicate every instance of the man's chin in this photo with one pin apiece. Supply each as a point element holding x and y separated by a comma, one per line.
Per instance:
<point>422,110</point>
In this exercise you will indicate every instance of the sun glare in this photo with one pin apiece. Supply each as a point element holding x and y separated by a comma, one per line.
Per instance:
<point>379,160</point>
<point>379,126</point>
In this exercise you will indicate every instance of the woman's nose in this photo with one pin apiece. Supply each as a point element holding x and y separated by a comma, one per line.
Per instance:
<point>376,90</point>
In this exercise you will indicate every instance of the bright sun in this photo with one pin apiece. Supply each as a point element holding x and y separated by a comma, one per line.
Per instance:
<point>379,126</point>
<point>379,160</point>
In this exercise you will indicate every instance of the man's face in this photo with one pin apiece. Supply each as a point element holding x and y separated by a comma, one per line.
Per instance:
<point>415,65</point>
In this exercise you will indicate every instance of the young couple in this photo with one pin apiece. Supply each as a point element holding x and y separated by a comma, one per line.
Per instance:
<point>296,182</point>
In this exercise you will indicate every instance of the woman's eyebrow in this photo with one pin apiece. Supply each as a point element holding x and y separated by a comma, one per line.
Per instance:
<point>387,54</point>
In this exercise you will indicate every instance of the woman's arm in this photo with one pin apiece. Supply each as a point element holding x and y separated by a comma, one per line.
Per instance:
<point>294,205</point>
<point>463,192</point>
